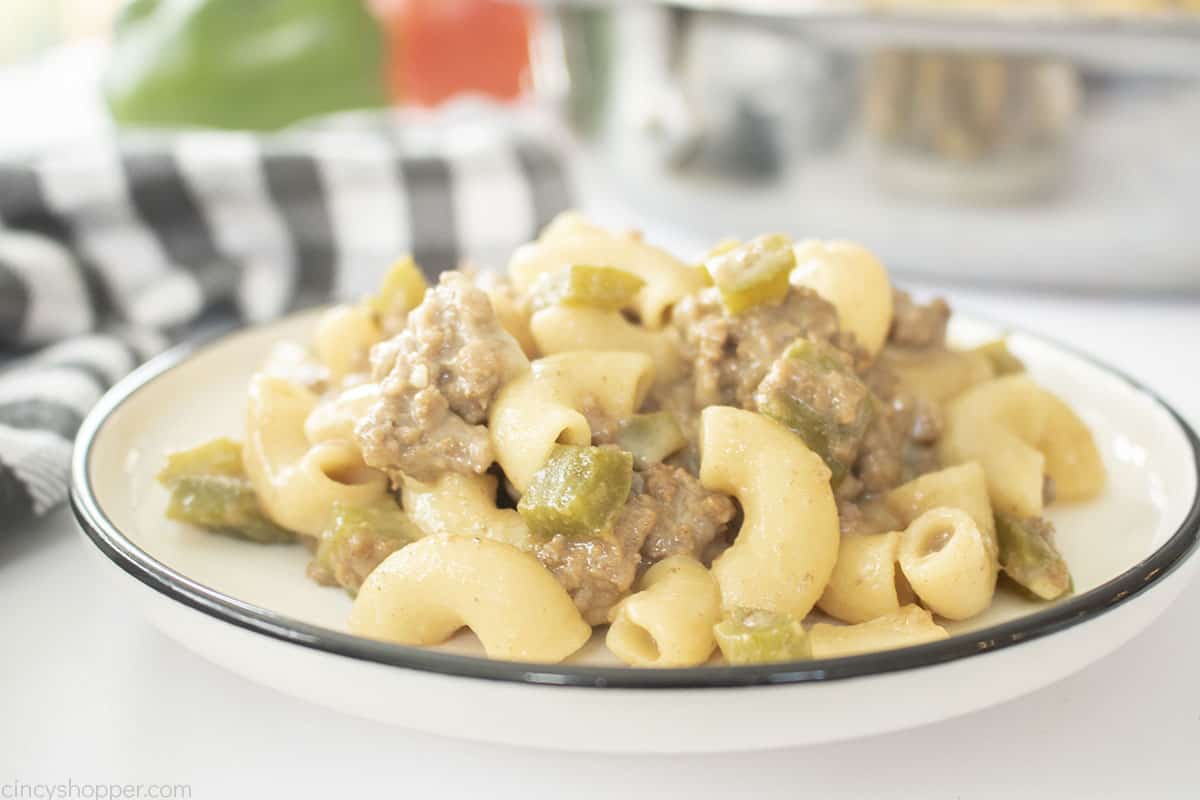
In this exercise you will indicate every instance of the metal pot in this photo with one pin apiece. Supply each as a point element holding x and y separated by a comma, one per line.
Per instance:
<point>1049,150</point>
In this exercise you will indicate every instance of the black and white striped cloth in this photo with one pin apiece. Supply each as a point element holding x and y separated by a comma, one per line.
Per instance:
<point>111,250</point>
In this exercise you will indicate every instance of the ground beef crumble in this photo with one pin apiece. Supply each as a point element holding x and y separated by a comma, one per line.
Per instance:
<point>353,562</point>
<point>915,325</point>
<point>687,517</point>
<point>437,378</point>
<point>730,354</point>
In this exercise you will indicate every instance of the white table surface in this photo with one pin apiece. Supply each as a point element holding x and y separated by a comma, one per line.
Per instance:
<point>92,693</point>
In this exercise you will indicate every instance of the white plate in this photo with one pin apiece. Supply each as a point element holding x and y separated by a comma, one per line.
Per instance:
<point>251,608</point>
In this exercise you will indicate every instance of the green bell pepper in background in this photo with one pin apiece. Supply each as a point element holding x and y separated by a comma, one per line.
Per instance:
<point>254,64</point>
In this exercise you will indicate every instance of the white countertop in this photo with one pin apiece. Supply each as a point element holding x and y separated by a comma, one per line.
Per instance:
<point>93,693</point>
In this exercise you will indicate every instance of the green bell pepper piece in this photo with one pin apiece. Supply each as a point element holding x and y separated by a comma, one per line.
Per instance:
<point>223,504</point>
<point>815,392</point>
<point>651,437</point>
<point>209,488</point>
<point>754,636</point>
<point>219,457</point>
<point>606,288</point>
<point>254,64</point>
<point>752,274</point>
<point>360,538</point>
<point>578,491</point>
<point>1028,556</point>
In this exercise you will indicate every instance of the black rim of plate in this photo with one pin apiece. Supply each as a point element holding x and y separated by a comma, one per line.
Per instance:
<point>176,586</point>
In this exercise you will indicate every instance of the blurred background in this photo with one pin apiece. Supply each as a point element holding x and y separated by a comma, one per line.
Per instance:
<point>1029,142</point>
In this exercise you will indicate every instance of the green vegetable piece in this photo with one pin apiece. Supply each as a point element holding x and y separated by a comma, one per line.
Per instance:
<point>236,64</point>
<point>819,354</point>
<point>209,488</point>
<point>813,390</point>
<point>809,425</point>
<point>753,636</point>
<point>1028,556</point>
<point>219,457</point>
<point>359,539</point>
<point>578,491</point>
<point>402,289</point>
<point>752,274</point>
<point>223,504</point>
<point>651,437</point>
<point>719,249</point>
<point>998,355</point>
<point>607,288</point>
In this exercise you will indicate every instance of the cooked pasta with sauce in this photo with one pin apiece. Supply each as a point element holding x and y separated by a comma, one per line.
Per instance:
<point>772,455</point>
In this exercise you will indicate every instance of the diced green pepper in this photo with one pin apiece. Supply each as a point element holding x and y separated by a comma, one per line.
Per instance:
<point>813,390</point>
<point>1002,360</point>
<point>402,289</point>
<point>753,636</point>
<point>818,353</point>
<point>359,539</point>
<point>1028,556</point>
<point>219,457</point>
<point>578,491</point>
<point>753,274</point>
<point>209,488</point>
<point>651,437</point>
<point>223,504</point>
<point>606,288</point>
<point>806,423</point>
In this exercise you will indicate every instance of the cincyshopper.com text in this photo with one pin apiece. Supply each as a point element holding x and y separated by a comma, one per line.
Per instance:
<point>94,790</point>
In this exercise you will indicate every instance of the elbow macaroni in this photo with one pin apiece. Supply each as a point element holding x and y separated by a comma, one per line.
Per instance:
<point>1072,459</point>
<point>863,584</point>
<point>560,329</point>
<point>571,239</point>
<point>669,621</point>
<point>854,282</point>
<point>788,543</point>
<point>297,482</point>
<point>511,312</point>
<point>911,625</point>
<point>343,340</point>
<point>425,592</point>
<point>997,423</point>
<point>948,563</point>
<point>545,405</point>
<point>963,487</point>
<point>334,417</point>
<point>463,505</point>
<point>1020,433</point>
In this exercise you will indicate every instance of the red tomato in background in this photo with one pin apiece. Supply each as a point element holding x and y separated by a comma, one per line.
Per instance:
<point>440,48</point>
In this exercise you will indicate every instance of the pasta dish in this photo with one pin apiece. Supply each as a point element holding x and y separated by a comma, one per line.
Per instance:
<point>773,455</point>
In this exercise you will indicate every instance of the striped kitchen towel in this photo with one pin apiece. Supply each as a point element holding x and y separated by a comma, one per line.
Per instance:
<point>112,250</point>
